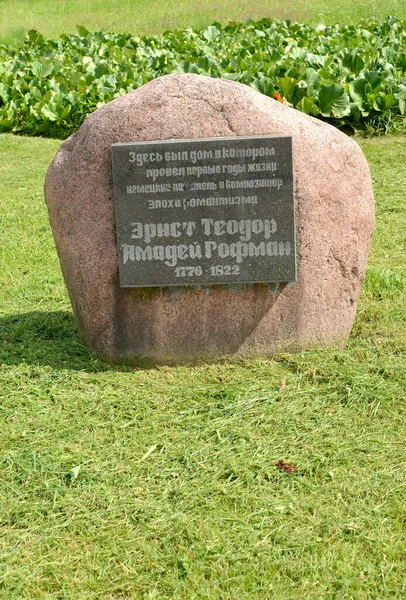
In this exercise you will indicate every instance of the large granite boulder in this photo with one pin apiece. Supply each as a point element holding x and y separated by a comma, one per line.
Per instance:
<point>334,221</point>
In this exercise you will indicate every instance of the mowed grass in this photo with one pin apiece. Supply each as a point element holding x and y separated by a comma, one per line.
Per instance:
<point>162,483</point>
<point>153,16</point>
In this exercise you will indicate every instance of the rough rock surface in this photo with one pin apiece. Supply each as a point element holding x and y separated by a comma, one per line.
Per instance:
<point>334,220</point>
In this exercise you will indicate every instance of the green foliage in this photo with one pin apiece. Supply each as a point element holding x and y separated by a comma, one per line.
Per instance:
<point>347,75</point>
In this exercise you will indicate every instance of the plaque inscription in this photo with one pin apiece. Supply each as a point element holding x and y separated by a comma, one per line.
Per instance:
<point>206,211</point>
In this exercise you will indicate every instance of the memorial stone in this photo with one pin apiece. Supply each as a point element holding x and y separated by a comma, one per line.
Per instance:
<point>235,227</point>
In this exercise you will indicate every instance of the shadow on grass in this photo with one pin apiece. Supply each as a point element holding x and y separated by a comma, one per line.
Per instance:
<point>47,338</point>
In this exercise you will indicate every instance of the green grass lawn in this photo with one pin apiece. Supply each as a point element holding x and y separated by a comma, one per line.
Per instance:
<point>153,16</point>
<point>161,483</point>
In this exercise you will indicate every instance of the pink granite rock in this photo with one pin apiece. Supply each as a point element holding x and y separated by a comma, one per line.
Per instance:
<point>334,221</point>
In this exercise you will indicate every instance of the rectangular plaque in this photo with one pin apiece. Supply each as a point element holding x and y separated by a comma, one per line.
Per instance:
<point>206,211</point>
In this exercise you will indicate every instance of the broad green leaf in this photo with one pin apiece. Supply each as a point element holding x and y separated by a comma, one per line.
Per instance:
<point>390,101</point>
<point>100,70</point>
<point>264,85</point>
<point>187,67</point>
<point>308,106</point>
<point>293,72</point>
<point>366,34</point>
<point>88,61</point>
<point>203,63</point>
<point>401,61</point>
<point>333,101</point>
<point>373,78</point>
<point>211,33</point>
<point>274,55</point>
<point>42,69</point>
<point>231,76</point>
<point>4,92</point>
<point>325,75</point>
<point>385,102</point>
<point>400,92</point>
<point>287,84</point>
<point>35,37</point>
<point>313,79</point>
<point>354,62</point>
<point>355,111</point>
<point>49,113</point>
<point>315,60</point>
<point>82,31</point>
<point>359,90</point>
<point>400,95</point>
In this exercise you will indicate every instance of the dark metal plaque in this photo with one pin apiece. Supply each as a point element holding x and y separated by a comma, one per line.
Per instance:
<point>206,211</point>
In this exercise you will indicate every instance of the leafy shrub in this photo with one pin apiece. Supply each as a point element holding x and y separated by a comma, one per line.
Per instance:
<point>347,75</point>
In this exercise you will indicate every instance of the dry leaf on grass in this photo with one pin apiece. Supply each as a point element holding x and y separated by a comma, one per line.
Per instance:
<point>284,466</point>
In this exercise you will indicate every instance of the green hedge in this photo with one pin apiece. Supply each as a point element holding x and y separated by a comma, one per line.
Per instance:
<point>347,75</point>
